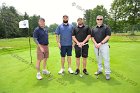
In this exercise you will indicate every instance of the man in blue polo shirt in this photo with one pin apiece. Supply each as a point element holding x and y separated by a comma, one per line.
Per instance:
<point>40,36</point>
<point>64,40</point>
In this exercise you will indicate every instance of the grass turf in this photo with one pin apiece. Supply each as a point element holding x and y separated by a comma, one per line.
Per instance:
<point>18,75</point>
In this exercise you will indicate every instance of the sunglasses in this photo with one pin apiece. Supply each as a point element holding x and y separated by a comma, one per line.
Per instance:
<point>99,19</point>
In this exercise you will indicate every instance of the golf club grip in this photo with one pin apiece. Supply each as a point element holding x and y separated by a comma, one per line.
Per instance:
<point>84,44</point>
<point>98,51</point>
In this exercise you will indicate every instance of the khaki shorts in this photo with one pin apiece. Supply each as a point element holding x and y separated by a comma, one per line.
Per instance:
<point>40,54</point>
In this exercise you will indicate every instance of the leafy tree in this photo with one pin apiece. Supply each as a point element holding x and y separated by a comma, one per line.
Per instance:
<point>91,14</point>
<point>52,27</point>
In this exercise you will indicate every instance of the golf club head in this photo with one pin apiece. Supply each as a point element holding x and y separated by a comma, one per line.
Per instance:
<point>50,77</point>
<point>61,74</point>
<point>81,75</point>
<point>97,76</point>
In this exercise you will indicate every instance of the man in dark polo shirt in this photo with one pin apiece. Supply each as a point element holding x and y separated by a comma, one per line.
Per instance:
<point>64,41</point>
<point>81,34</point>
<point>100,36</point>
<point>40,36</point>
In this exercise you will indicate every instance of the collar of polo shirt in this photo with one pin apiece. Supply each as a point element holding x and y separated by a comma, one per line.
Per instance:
<point>100,26</point>
<point>81,26</point>
<point>65,24</point>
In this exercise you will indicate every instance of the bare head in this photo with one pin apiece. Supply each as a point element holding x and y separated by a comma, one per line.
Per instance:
<point>65,19</point>
<point>41,22</point>
<point>99,20</point>
<point>80,21</point>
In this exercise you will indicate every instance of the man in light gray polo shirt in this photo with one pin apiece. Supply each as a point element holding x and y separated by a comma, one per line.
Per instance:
<point>100,36</point>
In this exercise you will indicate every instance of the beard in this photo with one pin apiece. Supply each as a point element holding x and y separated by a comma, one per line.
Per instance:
<point>80,23</point>
<point>65,21</point>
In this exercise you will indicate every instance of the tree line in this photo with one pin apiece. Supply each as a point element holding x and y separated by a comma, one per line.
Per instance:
<point>123,17</point>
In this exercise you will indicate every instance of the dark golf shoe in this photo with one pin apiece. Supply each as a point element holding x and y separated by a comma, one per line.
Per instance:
<point>85,72</point>
<point>77,72</point>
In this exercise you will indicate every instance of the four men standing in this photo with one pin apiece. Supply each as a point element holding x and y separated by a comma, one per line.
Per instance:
<point>80,35</point>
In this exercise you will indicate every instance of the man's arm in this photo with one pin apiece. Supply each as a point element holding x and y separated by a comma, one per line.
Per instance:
<point>87,38</point>
<point>75,40</point>
<point>57,32</point>
<point>93,40</point>
<point>58,41</point>
<point>108,34</point>
<point>105,39</point>
<point>35,36</point>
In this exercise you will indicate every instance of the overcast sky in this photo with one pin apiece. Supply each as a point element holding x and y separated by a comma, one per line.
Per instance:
<point>53,10</point>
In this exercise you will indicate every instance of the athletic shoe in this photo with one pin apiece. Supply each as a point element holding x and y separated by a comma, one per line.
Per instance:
<point>38,76</point>
<point>70,70</point>
<point>107,76</point>
<point>77,72</point>
<point>46,72</point>
<point>98,72</point>
<point>61,71</point>
<point>85,72</point>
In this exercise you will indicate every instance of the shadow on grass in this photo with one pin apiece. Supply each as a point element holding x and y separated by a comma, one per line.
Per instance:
<point>112,82</point>
<point>71,79</point>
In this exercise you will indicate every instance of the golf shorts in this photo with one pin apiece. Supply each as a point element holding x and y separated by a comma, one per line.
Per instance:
<point>66,50</point>
<point>84,51</point>
<point>40,54</point>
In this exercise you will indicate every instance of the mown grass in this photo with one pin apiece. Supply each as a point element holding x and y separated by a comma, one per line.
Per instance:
<point>18,75</point>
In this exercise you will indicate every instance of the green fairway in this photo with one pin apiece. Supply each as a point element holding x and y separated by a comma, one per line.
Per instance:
<point>17,75</point>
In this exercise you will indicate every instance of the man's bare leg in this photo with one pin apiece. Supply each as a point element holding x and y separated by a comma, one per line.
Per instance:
<point>38,65</point>
<point>69,65</point>
<point>69,61</point>
<point>84,63</point>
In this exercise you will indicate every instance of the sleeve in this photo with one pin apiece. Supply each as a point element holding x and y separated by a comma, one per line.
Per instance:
<point>35,36</point>
<point>74,32</point>
<point>57,31</point>
<point>92,33</point>
<point>89,31</point>
<point>108,31</point>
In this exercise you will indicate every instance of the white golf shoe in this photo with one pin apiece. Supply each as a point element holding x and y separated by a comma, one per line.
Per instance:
<point>61,71</point>
<point>45,72</point>
<point>70,70</point>
<point>38,76</point>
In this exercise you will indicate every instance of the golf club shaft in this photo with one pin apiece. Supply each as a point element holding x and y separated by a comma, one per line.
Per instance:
<point>81,64</point>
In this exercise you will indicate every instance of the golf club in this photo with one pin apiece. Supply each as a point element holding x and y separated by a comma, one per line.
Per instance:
<point>81,74</point>
<point>97,75</point>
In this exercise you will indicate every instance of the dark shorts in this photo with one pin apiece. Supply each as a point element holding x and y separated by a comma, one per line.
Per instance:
<point>66,50</point>
<point>84,51</point>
